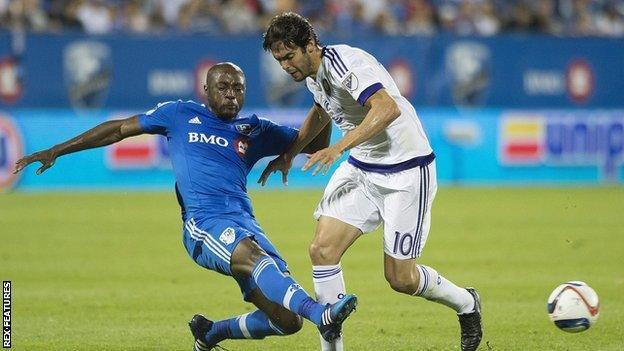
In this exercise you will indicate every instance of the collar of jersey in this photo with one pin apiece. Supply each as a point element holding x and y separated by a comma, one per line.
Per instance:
<point>322,62</point>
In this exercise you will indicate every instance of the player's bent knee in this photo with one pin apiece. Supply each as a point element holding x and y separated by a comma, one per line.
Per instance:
<point>285,320</point>
<point>245,256</point>
<point>323,254</point>
<point>404,286</point>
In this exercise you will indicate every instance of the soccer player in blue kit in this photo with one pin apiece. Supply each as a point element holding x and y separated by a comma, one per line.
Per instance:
<point>212,151</point>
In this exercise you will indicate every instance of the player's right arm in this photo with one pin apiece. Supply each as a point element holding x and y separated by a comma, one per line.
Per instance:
<point>103,134</point>
<point>155,121</point>
<point>313,135</point>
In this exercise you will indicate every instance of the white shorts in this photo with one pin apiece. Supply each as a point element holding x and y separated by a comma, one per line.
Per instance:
<point>401,200</point>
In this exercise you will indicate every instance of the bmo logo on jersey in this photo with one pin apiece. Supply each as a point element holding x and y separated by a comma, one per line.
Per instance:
<point>207,139</point>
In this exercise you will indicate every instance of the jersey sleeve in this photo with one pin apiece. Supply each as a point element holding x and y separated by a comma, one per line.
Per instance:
<point>274,139</point>
<point>355,72</point>
<point>160,119</point>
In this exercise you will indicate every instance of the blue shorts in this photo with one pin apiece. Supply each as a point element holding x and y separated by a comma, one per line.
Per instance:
<point>210,242</point>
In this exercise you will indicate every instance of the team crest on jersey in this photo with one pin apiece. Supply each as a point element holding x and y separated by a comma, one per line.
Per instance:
<point>351,82</point>
<point>241,147</point>
<point>244,128</point>
<point>326,87</point>
<point>228,236</point>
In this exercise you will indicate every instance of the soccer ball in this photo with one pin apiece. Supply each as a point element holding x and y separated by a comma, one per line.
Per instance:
<point>573,306</point>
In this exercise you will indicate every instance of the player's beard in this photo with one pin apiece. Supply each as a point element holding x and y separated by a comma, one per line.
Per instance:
<point>229,113</point>
<point>306,69</point>
<point>222,112</point>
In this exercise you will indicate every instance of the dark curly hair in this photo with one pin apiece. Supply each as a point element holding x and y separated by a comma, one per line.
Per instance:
<point>290,28</point>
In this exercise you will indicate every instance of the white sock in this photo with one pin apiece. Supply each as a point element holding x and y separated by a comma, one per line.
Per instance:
<point>329,287</point>
<point>434,287</point>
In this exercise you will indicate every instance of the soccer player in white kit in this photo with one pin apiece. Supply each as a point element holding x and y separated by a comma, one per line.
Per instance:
<point>389,177</point>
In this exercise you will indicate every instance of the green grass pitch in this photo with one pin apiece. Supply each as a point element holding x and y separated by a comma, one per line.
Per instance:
<point>107,271</point>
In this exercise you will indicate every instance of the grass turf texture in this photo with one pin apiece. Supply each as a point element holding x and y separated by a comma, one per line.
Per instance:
<point>100,271</point>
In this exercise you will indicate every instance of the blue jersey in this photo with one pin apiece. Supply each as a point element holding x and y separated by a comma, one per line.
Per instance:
<point>211,157</point>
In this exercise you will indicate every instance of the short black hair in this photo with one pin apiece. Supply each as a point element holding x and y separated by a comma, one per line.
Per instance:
<point>290,28</point>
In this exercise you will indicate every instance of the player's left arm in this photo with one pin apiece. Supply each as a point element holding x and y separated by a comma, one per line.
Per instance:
<point>382,111</point>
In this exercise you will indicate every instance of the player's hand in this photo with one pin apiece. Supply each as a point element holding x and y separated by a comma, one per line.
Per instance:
<point>46,157</point>
<point>323,160</point>
<point>281,163</point>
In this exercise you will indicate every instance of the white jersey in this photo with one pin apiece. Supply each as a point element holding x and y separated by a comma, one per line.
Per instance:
<point>346,78</point>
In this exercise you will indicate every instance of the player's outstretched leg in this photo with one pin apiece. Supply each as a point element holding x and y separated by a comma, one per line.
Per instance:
<point>282,289</point>
<point>257,325</point>
<point>200,326</point>
<point>253,325</point>
<point>269,319</point>
<point>250,260</point>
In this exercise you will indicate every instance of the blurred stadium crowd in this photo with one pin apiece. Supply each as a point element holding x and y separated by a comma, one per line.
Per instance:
<point>340,17</point>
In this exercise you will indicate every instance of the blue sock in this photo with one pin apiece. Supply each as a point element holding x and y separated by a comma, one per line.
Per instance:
<point>253,325</point>
<point>283,290</point>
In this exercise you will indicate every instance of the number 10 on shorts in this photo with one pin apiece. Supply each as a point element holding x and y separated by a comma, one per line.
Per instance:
<point>403,243</point>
